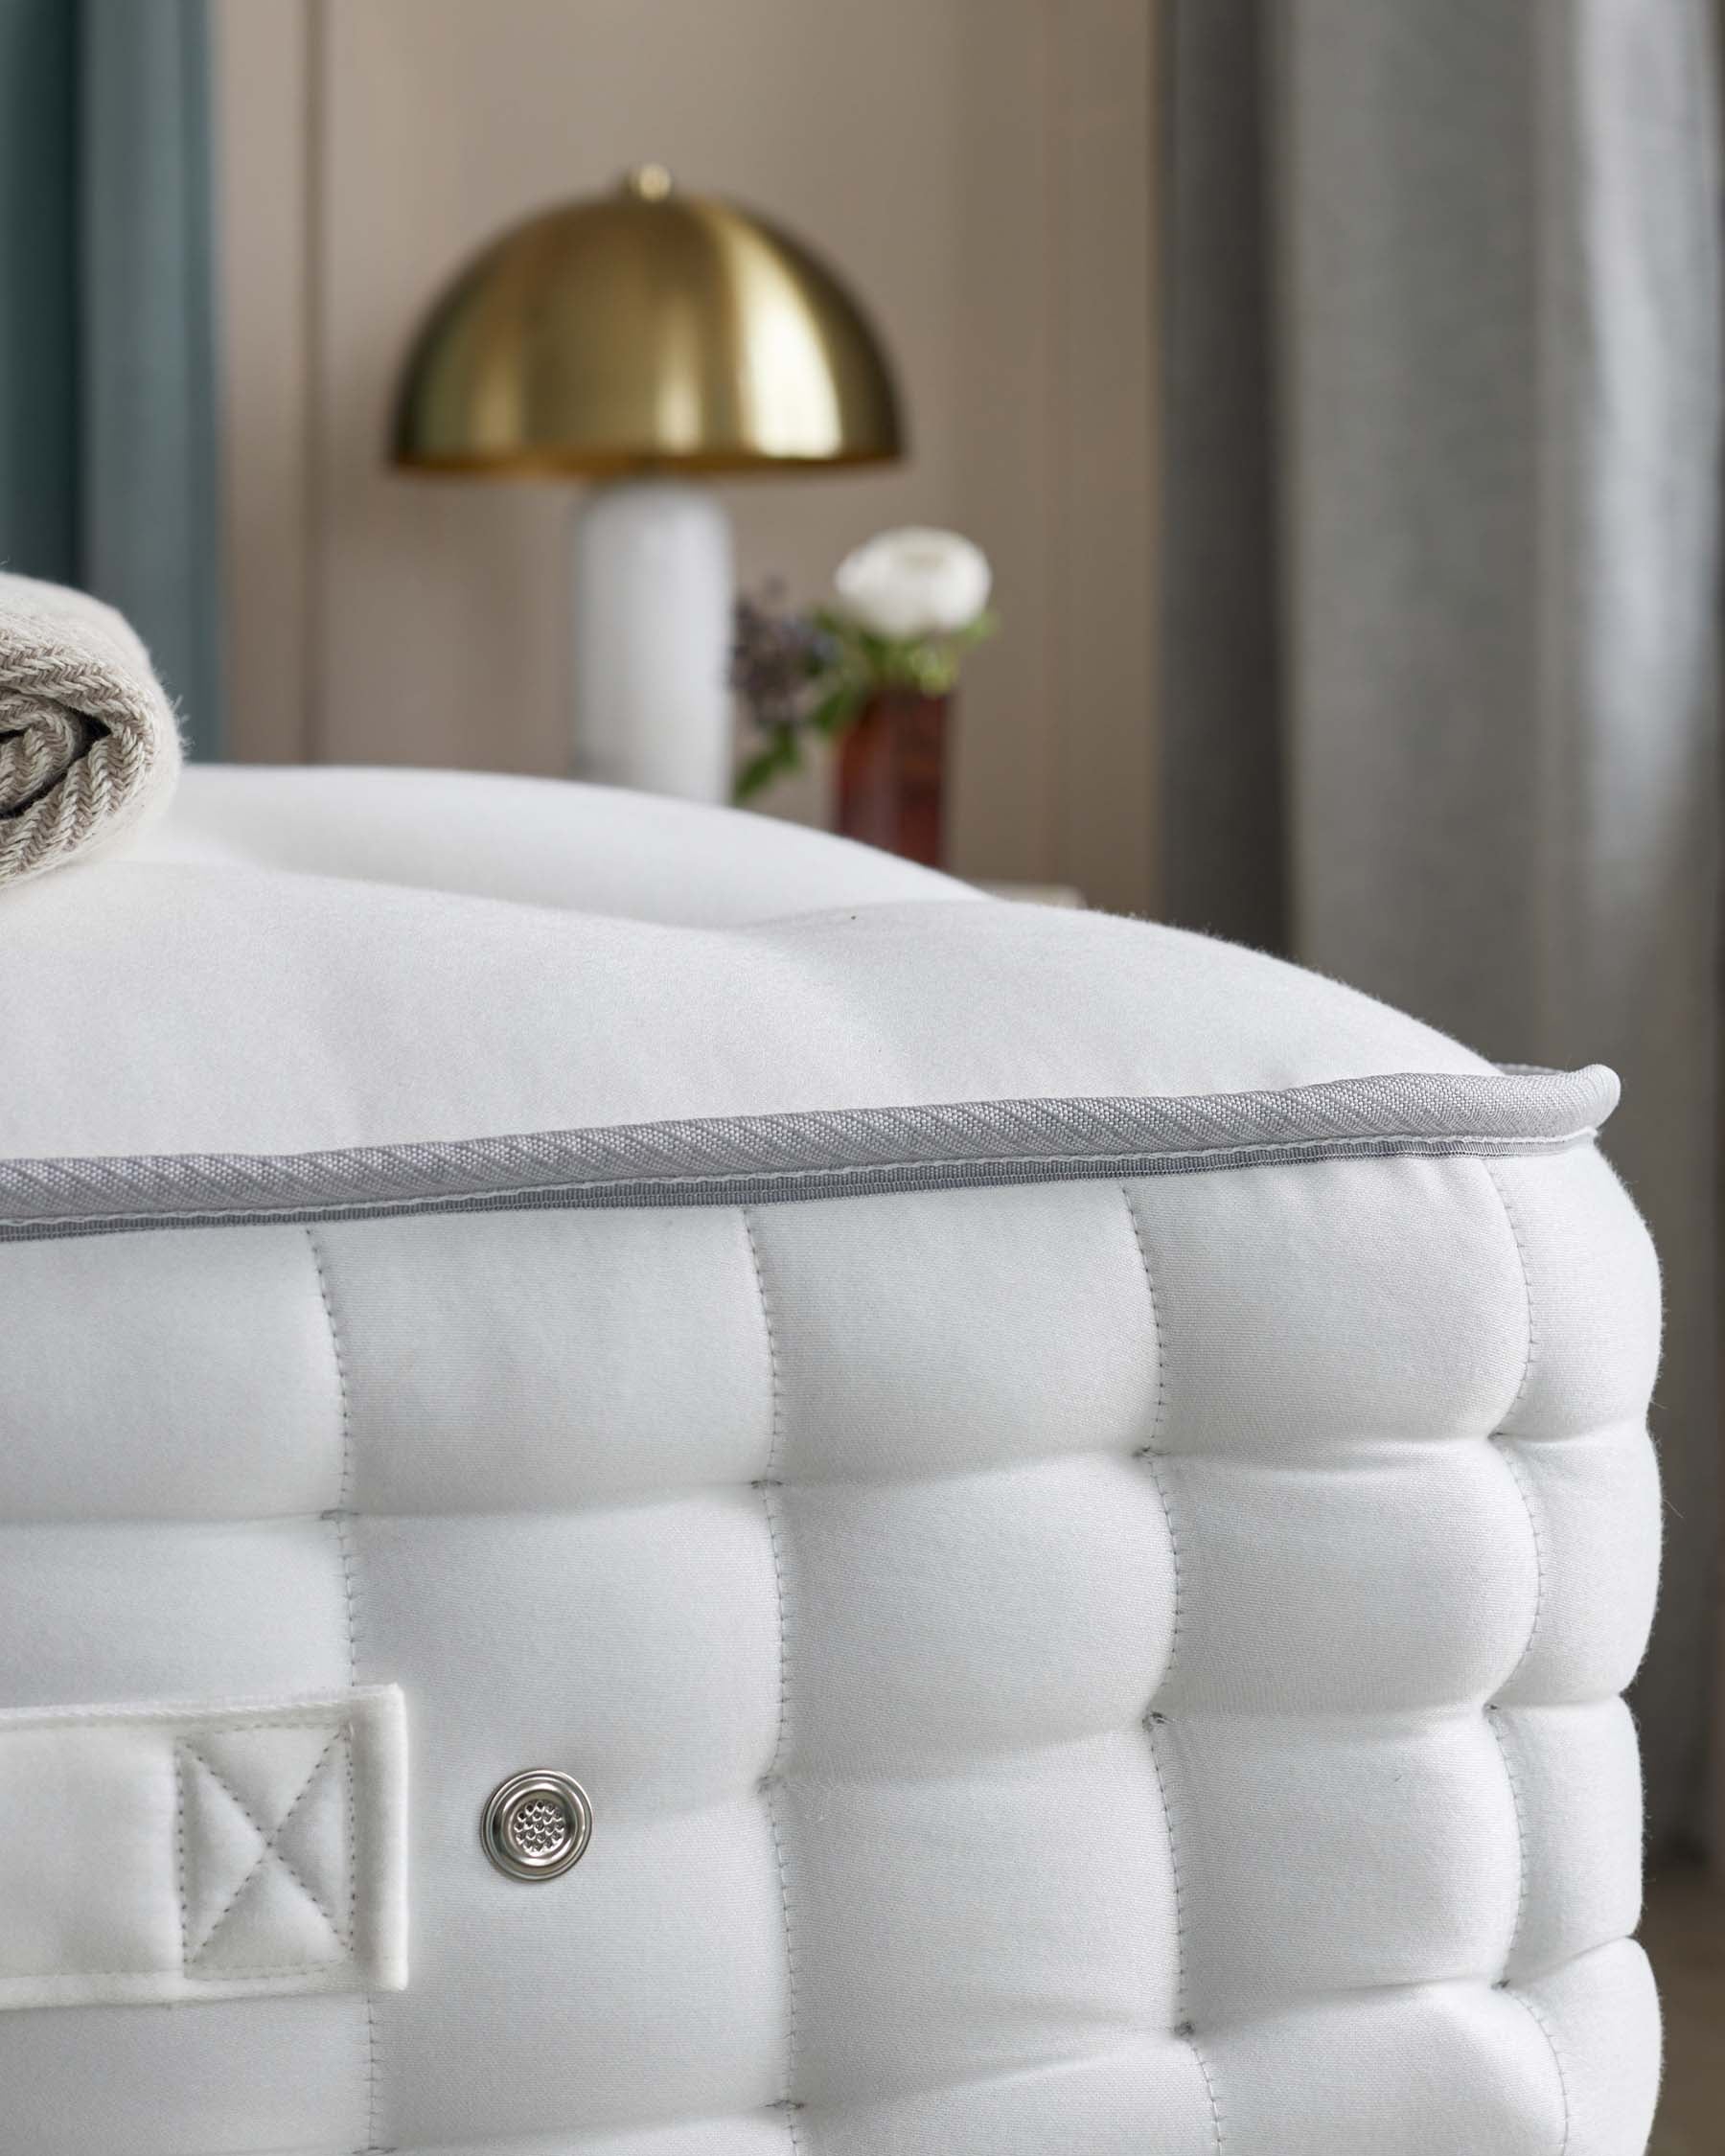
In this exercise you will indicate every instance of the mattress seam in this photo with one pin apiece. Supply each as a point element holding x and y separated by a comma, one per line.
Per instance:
<point>1503,1440</point>
<point>771,1158</point>
<point>341,1518</point>
<point>1150,1453</point>
<point>1505,1444</point>
<point>908,1178</point>
<point>1526,1279</point>
<point>1153,1719</point>
<point>769,1485</point>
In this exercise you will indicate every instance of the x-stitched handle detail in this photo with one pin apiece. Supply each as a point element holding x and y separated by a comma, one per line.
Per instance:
<point>267,1838</point>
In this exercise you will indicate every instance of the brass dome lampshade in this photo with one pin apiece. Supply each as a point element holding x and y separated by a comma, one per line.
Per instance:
<point>648,338</point>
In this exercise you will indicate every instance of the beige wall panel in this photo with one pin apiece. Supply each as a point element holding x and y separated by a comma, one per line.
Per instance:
<point>1101,487</point>
<point>939,152</point>
<point>262,157</point>
<point>1007,749</point>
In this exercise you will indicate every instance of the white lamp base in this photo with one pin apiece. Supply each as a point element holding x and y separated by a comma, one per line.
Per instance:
<point>655,574</point>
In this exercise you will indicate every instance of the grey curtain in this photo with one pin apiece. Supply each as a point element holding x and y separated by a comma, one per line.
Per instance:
<point>1443,401</point>
<point>108,400</point>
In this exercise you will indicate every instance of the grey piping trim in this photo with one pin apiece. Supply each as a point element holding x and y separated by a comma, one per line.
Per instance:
<point>767,1159</point>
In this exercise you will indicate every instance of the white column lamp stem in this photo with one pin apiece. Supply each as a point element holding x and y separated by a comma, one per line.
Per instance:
<point>653,573</point>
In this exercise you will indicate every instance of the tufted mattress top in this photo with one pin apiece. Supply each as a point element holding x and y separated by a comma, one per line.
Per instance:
<point>1075,1498</point>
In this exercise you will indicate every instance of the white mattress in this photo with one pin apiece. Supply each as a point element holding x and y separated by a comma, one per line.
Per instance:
<point>1076,1498</point>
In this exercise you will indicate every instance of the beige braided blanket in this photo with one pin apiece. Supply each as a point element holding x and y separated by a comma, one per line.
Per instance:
<point>88,746</point>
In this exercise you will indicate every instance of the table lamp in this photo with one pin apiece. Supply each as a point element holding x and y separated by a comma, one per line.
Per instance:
<point>647,338</point>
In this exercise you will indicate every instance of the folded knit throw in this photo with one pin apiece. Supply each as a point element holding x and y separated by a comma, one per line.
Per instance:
<point>88,746</point>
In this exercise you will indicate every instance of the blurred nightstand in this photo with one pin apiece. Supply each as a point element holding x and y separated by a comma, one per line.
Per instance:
<point>1036,894</point>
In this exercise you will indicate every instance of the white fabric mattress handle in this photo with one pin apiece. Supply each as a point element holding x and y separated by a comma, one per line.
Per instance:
<point>150,1853</point>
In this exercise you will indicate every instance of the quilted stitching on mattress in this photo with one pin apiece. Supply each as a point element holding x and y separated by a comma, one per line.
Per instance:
<point>1075,1667</point>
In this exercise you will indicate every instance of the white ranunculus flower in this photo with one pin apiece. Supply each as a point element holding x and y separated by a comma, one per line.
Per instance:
<point>914,583</point>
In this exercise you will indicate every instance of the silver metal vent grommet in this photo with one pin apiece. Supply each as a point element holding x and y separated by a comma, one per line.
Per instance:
<point>537,1824</point>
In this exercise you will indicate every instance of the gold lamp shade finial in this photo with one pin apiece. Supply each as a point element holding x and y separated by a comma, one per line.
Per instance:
<point>647,183</point>
<point>643,331</point>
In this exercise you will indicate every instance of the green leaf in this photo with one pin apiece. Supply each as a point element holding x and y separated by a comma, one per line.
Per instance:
<point>838,708</point>
<point>765,764</point>
<point>867,662</point>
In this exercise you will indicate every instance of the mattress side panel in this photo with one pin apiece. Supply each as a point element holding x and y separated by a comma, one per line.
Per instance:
<point>1090,1651</point>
